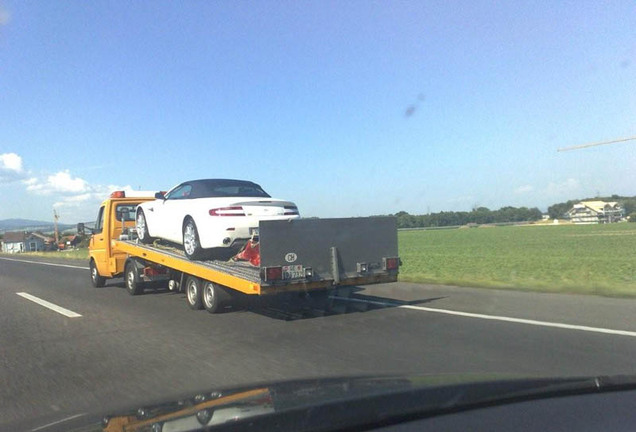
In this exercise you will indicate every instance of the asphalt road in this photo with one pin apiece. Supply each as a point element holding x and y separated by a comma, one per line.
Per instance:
<point>126,350</point>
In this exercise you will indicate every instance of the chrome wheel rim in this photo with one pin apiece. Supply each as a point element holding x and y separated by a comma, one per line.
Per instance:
<point>130,280</point>
<point>94,273</point>
<point>141,226</point>
<point>192,292</point>
<point>208,295</point>
<point>189,238</point>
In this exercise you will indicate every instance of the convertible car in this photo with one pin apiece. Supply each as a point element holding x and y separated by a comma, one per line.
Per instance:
<point>211,218</point>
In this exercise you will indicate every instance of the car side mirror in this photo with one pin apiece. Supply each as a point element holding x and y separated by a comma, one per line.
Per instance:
<point>160,195</point>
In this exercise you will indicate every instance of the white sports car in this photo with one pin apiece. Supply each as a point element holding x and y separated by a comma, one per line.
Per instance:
<point>213,217</point>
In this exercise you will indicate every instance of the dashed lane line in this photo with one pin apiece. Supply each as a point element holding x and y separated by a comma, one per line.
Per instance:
<point>49,305</point>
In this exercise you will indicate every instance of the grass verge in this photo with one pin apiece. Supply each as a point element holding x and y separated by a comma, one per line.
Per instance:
<point>590,259</point>
<point>76,254</point>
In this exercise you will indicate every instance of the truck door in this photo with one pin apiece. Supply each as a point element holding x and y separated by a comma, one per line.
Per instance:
<point>98,244</point>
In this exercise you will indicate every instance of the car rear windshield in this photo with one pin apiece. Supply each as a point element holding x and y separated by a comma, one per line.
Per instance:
<point>228,188</point>
<point>125,211</point>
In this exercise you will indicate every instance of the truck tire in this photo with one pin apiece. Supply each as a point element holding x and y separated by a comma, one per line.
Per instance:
<point>133,285</point>
<point>193,292</point>
<point>97,280</point>
<point>142,228</point>
<point>215,297</point>
<point>191,244</point>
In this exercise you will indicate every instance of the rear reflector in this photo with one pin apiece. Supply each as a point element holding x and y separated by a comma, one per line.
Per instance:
<point>152,271</point>
<point>390,263</point>
<point>272,273</point>
<point>227,211</point>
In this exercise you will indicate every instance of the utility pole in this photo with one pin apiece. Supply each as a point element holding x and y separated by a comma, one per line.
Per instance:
<point>57,234</point>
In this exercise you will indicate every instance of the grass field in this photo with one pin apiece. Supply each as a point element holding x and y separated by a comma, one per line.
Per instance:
<point>591,259</point>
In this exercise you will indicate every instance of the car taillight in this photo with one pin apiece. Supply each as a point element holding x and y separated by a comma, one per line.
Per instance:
<point>390,263</point>
<point>291,211</point>
<point>227,211</point>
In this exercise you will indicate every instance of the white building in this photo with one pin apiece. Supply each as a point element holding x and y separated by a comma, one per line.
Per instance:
<point>594,212</point>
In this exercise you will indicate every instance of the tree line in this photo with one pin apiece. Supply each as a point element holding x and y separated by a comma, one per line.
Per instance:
<point>483,215</point>
<point>479,215</point>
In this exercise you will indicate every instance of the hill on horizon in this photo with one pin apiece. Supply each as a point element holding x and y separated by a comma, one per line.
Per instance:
<point>30,225</point>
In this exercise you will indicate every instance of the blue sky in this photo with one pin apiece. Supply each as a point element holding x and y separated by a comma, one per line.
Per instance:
<point>348,108</point>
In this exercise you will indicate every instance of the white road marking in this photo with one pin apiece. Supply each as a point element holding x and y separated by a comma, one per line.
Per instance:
<point>44,263</point>
<point>53,307</point>
<point>495,317</point>
<point>57,422</point>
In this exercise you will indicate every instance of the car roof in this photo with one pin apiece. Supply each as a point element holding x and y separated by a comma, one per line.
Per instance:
<point>201,188</point>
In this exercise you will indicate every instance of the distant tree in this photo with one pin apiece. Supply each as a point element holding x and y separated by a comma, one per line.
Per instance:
<point>629,205</point>
<point>558,211</point>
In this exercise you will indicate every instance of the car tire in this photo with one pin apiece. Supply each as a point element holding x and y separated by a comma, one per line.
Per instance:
<point>215,297</point>
<point>191,244</point>
<point>142,228</point>
<point>193,292</point>
<point>97,280</point>
<point>133,285</point>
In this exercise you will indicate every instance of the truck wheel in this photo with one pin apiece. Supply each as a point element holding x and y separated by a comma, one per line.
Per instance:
<point>193,292</point>
<point>142,228</point>
<point>97,280</point>
<point>133,286</point>
<point>191,243</point>
<point>215,297</point>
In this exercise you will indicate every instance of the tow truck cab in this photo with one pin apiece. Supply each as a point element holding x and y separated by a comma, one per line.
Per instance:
<point>115,218</point>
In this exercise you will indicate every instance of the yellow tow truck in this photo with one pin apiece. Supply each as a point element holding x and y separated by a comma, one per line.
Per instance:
<point>300,255</point>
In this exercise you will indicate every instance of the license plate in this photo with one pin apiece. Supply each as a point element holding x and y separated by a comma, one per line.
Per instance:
<point>293,272</point>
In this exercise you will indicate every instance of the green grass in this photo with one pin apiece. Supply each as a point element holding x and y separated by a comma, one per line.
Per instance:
<point>69,254</point>
<point>590,259</point>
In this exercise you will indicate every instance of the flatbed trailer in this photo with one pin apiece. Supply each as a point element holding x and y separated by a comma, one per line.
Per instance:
<point>296,255</point>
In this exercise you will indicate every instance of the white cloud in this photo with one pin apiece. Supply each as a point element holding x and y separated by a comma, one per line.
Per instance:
<point>10,168</point>
<point>59,183</point>
<point>75,198</point>
<point>11,162</point>
<point>524,189</point>
<point>82,206</point>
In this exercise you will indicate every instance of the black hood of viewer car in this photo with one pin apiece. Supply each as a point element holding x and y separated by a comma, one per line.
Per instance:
<point>334,403</point>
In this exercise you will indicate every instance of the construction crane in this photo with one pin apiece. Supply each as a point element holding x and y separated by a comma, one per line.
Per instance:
<point>596,144</point>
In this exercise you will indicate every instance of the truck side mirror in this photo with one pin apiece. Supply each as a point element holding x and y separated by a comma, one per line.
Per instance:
<point>81,229</point>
